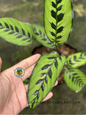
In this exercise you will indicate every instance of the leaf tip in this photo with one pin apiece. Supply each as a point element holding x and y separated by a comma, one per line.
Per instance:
<point>31,107</point>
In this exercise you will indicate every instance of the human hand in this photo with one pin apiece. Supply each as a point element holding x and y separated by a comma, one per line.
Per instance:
<point>13,97</point>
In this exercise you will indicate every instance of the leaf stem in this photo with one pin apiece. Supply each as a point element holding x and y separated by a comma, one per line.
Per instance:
<point>57,49</point>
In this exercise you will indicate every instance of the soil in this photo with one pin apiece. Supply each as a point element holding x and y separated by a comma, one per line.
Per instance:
<point>64,101</point>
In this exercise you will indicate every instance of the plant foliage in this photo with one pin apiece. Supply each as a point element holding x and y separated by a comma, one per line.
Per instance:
<point>75,79</point>
<point>40,35</point>
<point>76,60</point>
<point>58,21</point>
<point>16,32</point>
<point>44,77</point>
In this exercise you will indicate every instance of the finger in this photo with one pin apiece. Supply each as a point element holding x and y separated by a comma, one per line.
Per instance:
<point>48,96</point>
<point>0,63</point>
<point>27,62</point>
<point>28,72</point>
<point>26,88</point>
<point>56,83</point>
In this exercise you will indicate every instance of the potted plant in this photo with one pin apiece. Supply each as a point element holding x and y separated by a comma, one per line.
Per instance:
<point>58,20</point>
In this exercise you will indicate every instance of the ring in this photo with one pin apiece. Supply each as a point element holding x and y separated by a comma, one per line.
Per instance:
<point>19,72</point>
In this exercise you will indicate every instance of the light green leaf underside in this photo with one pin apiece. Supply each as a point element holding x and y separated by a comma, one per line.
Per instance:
<point>58,18</point>
<point>40,36</point>
<point>75,79</point>
<point>44,77</point>
<point>16,32</point>
<point>76,60</point>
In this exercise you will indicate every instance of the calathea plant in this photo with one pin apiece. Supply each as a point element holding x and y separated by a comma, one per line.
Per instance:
<point>58,20</point>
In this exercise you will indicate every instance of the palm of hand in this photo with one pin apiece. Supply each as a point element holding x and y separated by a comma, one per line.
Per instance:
<point>14,91</point>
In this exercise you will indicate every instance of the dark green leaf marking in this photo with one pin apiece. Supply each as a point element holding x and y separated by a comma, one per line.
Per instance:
<point>36,92</point>
<point>59,8</point>
<point>56,64</point>
<point>25,39</point>
<point>59,37</point>
<point>49,43</point>
<point>12,32</point>
<point>60,29</point>
<point>44,39</point>
<point>28,34</point>
<point>40,81</point>
<point>46,67</point>
<point>6,25</point>
<point>16,28</point>
<point>58,1</point>
<point>53,34</point>
<point>29,40</point>
<point>42,86</point>
<point>38,96</point>
<point>70,76</point>
<point>23,31</point>
<point>0,24</point>
<point>51,57</point>
<point>11,27</point>
<point>40,33</point>
<point>43,35</point>
<point>50,73</point>
<point>53,4</point>
<point>43,74</point>
<point>60,58</point>
<point>53,13</point>
<point>20,36</point>
<point>34,29</point>
<point>53,25</point>
<point>46,80</point>
<point>60,17</point>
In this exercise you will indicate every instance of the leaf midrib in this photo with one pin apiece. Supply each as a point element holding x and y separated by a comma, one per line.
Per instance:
<point>44,79</point>
<point>81,82</point>
<point>56,21</point>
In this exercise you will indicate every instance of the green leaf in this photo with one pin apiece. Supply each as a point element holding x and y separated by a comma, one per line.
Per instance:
<point>44,77</point>
<point>40,36</point>
<point>26,81</point>
<point>76,60</point>
<point>58,18</point>
<point>16,32</point>
<point>75,79</point>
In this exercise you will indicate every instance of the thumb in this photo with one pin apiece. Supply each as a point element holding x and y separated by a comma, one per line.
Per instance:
<point>0,63</point>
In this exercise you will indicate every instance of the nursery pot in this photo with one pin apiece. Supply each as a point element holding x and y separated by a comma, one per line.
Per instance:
<point>62,50</point>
